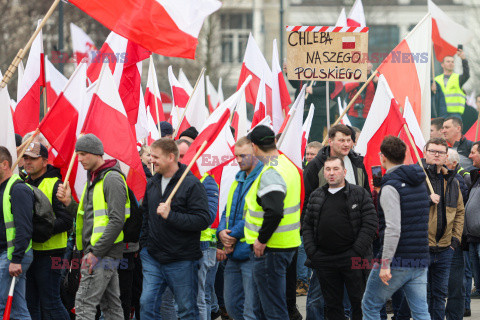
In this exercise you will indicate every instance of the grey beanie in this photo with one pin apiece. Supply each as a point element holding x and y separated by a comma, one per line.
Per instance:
<point>89,143</point>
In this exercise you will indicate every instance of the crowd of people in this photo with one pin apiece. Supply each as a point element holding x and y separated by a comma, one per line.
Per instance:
<point>353,245</point>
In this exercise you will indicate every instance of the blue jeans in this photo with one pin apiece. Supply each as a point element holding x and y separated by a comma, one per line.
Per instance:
<point>269,275</point>
<point>401,311</point>
<point>19,304</point>
<point>467,280</point>
<point>414,284</point>
<point>181,277</point>
<point>437,285</point>
<point>43,290</point>
<point>315,302</point>
<point>303,272</point>
<point>474,251</point>
<point>238,289</point>
<point>207,262</point>
<point>456,290</point>
<point>210,296</point>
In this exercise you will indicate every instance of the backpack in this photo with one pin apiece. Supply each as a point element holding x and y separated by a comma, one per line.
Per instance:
<point>133,225</point>
<point>43,216</point>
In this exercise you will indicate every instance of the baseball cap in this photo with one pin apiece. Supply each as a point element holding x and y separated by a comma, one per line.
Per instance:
<point>262,136</point>
<point>37,150</point>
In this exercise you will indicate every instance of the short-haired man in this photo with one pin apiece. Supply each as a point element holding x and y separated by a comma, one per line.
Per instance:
<point>452,132</point>
<point>445,223</point>
<point>43,280</point>
<point>403,211</point>
<point>16,228</point>
<point>452,83</point>
<point>339,228</point>
<point>436,128</point>
<point>238,274</point>
<point>170,235</point>
<point>182,145</point>
<point>272,223</point>
<point>312,150</point>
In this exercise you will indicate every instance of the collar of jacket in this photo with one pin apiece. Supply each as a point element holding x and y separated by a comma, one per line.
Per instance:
<point>346,189</point>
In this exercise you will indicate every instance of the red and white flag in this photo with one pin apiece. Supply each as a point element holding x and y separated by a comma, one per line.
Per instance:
<point>169,28</point>
<point>153,93</point>
<point>356,16</point>
<point>212,96</point>
<point>7,134</point>
<point>107,119</point>
<point>446,33</point>
<point>27,111</point>
<point>280,96</point>
<point>82,44</point>
<point>180,98</point>
<point>260,110</point>
<point>345,119</point>
<point>141,127</point>
<point>342,19</point>
<point>307,125</point>
<point>410,59</point>
<point>55,82</point>
<point>182,78</point>
<point>254,64</point>
<point>221,99</point>
<point>240,120</point>
<point>415,132</point>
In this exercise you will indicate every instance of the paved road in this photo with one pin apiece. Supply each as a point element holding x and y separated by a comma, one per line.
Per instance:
<point>475,305</point>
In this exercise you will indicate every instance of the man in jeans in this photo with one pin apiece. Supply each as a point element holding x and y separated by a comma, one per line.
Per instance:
<point>16,254</point>
<point>403,211</point>
<point>170,235</point>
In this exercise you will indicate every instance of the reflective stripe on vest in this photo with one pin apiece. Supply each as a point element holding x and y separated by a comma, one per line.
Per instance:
<point>209,233</point>
<point>100,216</point>
<point>454,96</point>
<point>59,240</point>
<point>287,234</point>
<point>8,217</point>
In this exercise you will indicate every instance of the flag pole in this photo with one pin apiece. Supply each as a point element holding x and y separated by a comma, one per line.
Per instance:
<point>476,130</point>
<point>327,93</point>
<point>8,306</point>
<point>199,152</point>
<point>156,102</point>
<point>414,147</point>
<point>188,103</point>
<point>24,148</point>
<point>44,94</point>
<point>352,101</point>
<point>310,85</point>
<point>21,53</point>
<point>433,79</point>
<point>70,167</point>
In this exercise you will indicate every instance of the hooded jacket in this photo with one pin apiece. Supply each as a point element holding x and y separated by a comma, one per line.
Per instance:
<point>176,238</point>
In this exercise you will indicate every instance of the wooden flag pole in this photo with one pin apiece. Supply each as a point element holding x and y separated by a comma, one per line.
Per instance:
<point>352,101</point>
<point>25,146</point>
<point>199,152</point>
<point>414,147</point>
<point>44,94</point>
<point>188,103</point>
<point>309,85</point>
<point>21,53</point>
<point>476,130</point>
<point>72,161</point>
<point>156,102</point>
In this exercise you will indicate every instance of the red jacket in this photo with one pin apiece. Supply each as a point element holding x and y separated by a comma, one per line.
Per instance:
<point>352,88</point>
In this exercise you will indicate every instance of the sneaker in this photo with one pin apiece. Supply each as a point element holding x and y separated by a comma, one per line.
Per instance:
<point>294,314</point>
<point>302,289</point>
<point>467,313</point>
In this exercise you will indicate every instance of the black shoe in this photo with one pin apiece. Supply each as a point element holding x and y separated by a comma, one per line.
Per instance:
<point>467,313</point>
<point>215,315</point>
<point>389,307</point>
<point>294,314</point>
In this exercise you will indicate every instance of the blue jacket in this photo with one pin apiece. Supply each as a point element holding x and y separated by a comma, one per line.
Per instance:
<point>236,222</point>
<point>211,188</point>
<point>412,249</point>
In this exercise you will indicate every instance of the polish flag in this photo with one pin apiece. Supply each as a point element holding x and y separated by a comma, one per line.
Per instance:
<point>415,132</point>
<point>290,142</point>
<point>212,96</point>
<point>7,134</point>
<point>141,127</point>
<point>107,119</point>
<point>82,44</point>
<point>345,119</point>
<point>55,82</point>
<point>383,119</point>
<point>254,64</point>
<point>342,19</point>
<point>260,111</point>
<point>180,98</point>
<point>348,42</point>
<point>446,33</point>
<point>27,111</point>
<point>153,93</point>
<point>356,16</point>
<point>63,122</point>
<point>280,96</point>
<point>240,120</point>
<point>220,92</point>
<point>182,78</point>
<point>154,133</point>
<point>473,133</point>
<point>196,113</point>
<point>306,129</point>
<point>410,59</point>
<point>169,28</point>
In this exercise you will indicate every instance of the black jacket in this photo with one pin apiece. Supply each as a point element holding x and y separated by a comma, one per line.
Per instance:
<point>363,218</point>
<point>311,178</point>
<point>178,237</point>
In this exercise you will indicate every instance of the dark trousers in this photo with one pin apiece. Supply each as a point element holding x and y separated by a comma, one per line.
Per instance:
<point>332,281</point>
<point>125,277</point>
<point>437,287</point>
<point>456,290</point>
<point>292,283</point>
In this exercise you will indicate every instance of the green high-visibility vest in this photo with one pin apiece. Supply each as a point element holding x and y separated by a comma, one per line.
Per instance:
<point>287,234</point>
<point>208,234</point>
<point>59,240</point>
<point>8,217</point>
<point>100,214</point>
<point>454,96</point>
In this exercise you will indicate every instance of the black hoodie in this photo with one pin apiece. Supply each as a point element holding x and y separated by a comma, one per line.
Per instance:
<point>63,220</point>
